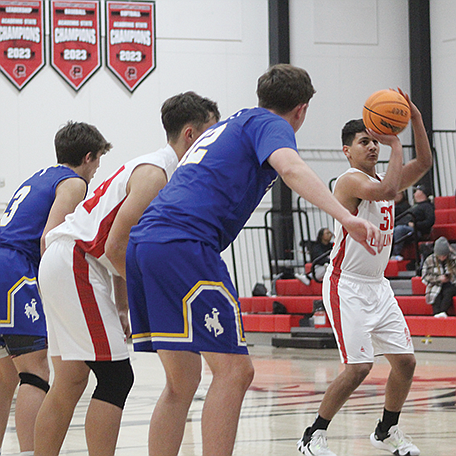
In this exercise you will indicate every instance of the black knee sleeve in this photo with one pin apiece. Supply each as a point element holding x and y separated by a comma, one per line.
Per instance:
<point>114,381</point>
<point>31,379</point>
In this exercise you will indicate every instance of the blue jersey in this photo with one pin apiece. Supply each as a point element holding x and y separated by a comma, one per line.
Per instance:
<point>219,182</point>
<point>25,217</point>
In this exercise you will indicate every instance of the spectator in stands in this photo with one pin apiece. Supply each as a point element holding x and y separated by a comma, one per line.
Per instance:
<point>401,205</point>
<point>322,245</point>
<point>439,276</point>
<point>423,215</point>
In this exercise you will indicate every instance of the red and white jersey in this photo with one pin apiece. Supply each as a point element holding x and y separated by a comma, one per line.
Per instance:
<point>349,256</point>
<point>89,225</point>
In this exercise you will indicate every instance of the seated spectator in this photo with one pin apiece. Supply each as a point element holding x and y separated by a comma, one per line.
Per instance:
<point>401,205</point>
<point>439,276</point>
<point>424,216</point>
<point>322,245</point>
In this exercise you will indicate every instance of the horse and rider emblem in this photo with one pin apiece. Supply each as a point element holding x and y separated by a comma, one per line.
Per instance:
<point>30,310</point>
<point>213,323</point>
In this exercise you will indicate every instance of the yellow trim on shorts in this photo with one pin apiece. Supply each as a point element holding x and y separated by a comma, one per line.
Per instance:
<point>186,313</point>
<point>10,295</point>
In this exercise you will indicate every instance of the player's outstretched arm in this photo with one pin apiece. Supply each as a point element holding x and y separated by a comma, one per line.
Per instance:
<point>143,186</point>
<point>416,168</point>
<point>299,177</point>
<point>68,195</point>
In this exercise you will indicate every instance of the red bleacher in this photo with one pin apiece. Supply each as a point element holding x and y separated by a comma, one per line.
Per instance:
<point>430,326</point>
<point>418,287</point>
<point>298,300</point>
<point>445,225</point>
<point>297,288</point>
<point>445,218</point>
<point>394,267</point>
<point>444,202</point>
<point>270,323</point>
<point>294,304</point>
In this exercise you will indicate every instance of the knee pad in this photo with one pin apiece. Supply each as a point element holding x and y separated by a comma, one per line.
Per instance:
<point>31,379</point>
<point>114,381</point>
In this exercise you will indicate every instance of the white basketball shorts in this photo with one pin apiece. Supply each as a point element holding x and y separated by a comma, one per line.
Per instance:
<point>365,317</point>
<point>82,319</point>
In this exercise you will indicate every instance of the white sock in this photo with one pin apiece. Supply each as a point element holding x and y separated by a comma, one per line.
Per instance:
<point>26,453</point>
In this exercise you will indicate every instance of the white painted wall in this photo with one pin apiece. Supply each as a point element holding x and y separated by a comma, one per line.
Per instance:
<point>351,48</point>
<point>216,48</point>
<point>443,49</point>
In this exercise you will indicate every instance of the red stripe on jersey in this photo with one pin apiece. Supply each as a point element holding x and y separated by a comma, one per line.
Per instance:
<point>90,203</point>
<point>96,247</point>
<point>90,307</point>
<point>334,295</point>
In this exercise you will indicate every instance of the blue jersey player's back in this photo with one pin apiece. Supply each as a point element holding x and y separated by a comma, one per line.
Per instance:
<point>25,217</point>
<point>219,182</point>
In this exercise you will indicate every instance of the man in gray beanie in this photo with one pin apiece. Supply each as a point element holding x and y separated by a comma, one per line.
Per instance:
<point>439,276</point>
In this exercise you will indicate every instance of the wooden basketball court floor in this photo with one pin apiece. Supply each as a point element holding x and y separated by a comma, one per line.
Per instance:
<point>283,399</point>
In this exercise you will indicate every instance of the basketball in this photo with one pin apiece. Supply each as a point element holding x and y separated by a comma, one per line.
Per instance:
<point>386,112</point>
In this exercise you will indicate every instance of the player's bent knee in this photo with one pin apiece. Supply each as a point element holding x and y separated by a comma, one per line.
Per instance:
<point>407,365</point>
<point>358,372</point>
<point>31,379</point>
<point>114,381</point>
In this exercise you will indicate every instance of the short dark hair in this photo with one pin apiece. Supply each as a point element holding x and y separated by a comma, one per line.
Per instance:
<point>351,128</point>
<point>320,234</point>
<point>185,108</point>
<point>283,87</point>
<point>75,140</point>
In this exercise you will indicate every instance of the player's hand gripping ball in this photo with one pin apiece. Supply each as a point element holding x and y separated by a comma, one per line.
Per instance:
<point>386,112</point>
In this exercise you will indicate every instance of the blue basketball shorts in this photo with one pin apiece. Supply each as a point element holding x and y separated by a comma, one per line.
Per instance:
<point>181,298</point>
<point>21,310</point>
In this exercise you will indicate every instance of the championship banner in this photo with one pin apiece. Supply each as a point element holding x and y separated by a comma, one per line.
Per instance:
<point>21,40</point>
<point>130,41</point>
<point>75,40</point>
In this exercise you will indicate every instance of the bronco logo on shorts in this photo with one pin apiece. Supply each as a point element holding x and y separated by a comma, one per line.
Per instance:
<point>30,311</point>
<point>213,322</point>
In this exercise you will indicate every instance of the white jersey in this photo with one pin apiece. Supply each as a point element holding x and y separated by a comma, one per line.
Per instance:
<point>349,256</point>
<point>90,223</point>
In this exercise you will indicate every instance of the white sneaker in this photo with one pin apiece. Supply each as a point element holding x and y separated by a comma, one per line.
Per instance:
<point>314,444</point>
<point>441,315</point>
<point>397,443</point>
<point>303,278</point>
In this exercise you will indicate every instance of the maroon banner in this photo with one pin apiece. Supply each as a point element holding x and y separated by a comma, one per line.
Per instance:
<point>75,40</point>
<point>130,41</point>
<point>21,40</point>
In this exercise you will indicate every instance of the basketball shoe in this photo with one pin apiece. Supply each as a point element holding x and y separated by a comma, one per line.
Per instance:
<point>395,442</point>
<point>314,444</point>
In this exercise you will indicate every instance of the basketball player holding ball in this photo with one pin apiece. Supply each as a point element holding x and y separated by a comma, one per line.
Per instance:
<point>365,316</point>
